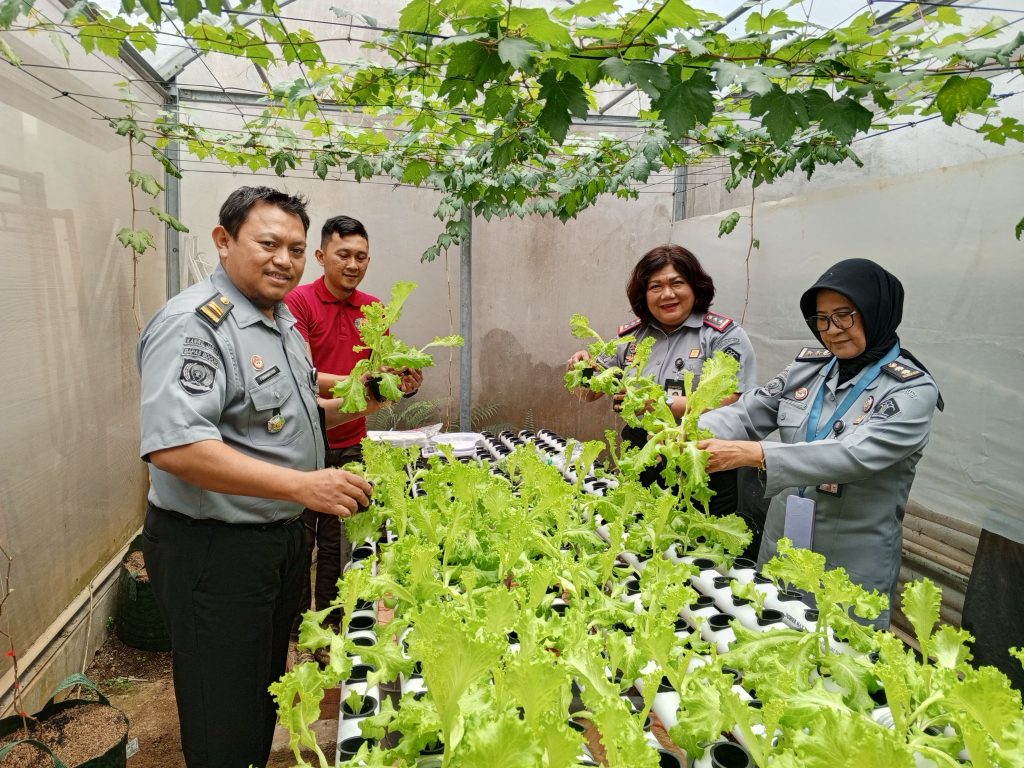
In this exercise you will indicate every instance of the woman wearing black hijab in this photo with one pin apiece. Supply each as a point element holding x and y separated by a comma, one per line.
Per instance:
<point>853,419</point>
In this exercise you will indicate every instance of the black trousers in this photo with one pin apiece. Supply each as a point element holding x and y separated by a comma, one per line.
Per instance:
<point>736,490</point>
<point>723,502</point>
<point>326,534</point>
<point>992,605</point>
<point>228,595</point>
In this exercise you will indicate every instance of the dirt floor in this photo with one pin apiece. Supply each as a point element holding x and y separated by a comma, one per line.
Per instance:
<point>139,683</point>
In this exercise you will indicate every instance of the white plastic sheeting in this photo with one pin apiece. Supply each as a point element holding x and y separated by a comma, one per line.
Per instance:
<point>73,487</point>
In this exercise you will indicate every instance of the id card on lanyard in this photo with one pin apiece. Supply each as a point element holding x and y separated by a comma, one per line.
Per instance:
<point>799,523</point>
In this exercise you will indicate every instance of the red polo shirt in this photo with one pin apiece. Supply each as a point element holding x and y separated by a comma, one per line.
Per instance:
<point>329,325</point>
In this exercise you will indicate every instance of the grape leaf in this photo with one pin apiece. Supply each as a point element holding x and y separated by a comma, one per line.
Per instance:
<point>960,94</point>
<point>139,240</point>
<point>781,112</point>
<point>563,98</point>
<point>516,51</point>
<point>685,104</point>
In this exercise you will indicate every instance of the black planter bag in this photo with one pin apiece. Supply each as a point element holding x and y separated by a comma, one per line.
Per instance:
<point>139,623</point>
<point>115,757</point>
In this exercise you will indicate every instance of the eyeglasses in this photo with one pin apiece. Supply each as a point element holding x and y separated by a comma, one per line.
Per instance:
<point>842,320</point>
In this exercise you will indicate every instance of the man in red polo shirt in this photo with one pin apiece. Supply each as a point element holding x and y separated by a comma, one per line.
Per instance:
<point>328,311</point>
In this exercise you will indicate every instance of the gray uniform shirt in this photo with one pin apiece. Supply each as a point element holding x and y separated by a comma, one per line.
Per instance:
<point>859,475</point>
<point>686,348</point>
<point>239,378</point>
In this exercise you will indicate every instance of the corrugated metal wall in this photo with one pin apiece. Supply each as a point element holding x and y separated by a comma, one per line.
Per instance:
<point>940,548</point>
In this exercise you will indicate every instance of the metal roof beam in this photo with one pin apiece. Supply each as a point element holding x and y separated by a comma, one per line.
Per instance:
<point>134,60</point>
<point>252,99</point>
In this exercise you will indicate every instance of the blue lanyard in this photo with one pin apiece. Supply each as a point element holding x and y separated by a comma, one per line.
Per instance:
<point>870,374</point>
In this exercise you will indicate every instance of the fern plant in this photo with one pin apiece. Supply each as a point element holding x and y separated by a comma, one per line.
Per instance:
<point>408,415</point>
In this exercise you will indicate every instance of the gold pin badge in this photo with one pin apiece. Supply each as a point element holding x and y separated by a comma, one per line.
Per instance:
<point>275,423</point>
<point>257,362</point>
<point>868,403</point>
<point>859,419</point>
<point>801,393</point>
<point>694,353</point>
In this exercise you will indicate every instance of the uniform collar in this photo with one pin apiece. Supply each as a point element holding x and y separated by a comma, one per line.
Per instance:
<point>833,379</point>
<point>324,294</point>
<point>695,320</point>
<point>243,310</point>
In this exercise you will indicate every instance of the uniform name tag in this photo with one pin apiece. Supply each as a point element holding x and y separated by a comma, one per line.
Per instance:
<point>267,375</point>
<point>831,489</point>
<point>799,525</point>
<point>675,387</point>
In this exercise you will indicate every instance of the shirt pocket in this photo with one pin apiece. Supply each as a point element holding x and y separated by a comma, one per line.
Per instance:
<point>791,420</point>
<point>272,402</point>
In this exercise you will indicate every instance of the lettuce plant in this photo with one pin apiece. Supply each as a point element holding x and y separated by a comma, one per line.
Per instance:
<point>481,558</point>
<point>389,356</point>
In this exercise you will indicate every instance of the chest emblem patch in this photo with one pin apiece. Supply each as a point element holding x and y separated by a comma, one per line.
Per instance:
<point>800,394</point>
<point>257,362</point>
<point>275,423</point>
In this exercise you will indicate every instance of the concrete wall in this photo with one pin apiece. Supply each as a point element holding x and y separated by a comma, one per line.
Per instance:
<point>73,487</point>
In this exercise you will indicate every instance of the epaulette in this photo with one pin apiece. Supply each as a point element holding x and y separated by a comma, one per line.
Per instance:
<point>215,309</point>
<point>902,372</point>
<point>629,327</point>
<point>814,355</point>
<point>717,321</point>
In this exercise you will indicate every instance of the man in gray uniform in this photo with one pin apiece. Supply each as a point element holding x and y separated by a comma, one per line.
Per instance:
<point>231,426</point>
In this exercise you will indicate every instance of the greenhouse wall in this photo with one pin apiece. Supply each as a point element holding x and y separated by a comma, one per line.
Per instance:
<point>73,485</point>
<point>932,205</point>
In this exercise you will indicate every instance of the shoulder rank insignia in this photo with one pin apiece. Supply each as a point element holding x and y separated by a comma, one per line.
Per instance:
<point>215,309</point>
<point>717,321</point>
<point>901,371</point>
<point>813,354</point>
<point>628,327</point>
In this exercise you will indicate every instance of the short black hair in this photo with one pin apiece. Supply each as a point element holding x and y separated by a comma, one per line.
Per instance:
<point>685,263</point>
<point>235,209</point>
<point>342,226</point>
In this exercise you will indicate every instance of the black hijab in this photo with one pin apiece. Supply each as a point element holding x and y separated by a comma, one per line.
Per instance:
<point>878,297</point>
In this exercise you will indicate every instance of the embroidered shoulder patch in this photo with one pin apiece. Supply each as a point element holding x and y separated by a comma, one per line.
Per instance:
<point>733,353</point>
<point>902,372</point>
<point>196,376</point>
<point>215,309</point>
<point>773,388</point>
<point>813,354</point>
<point>628,327</point>
<point>885,410</point>
<point>717,321</point>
